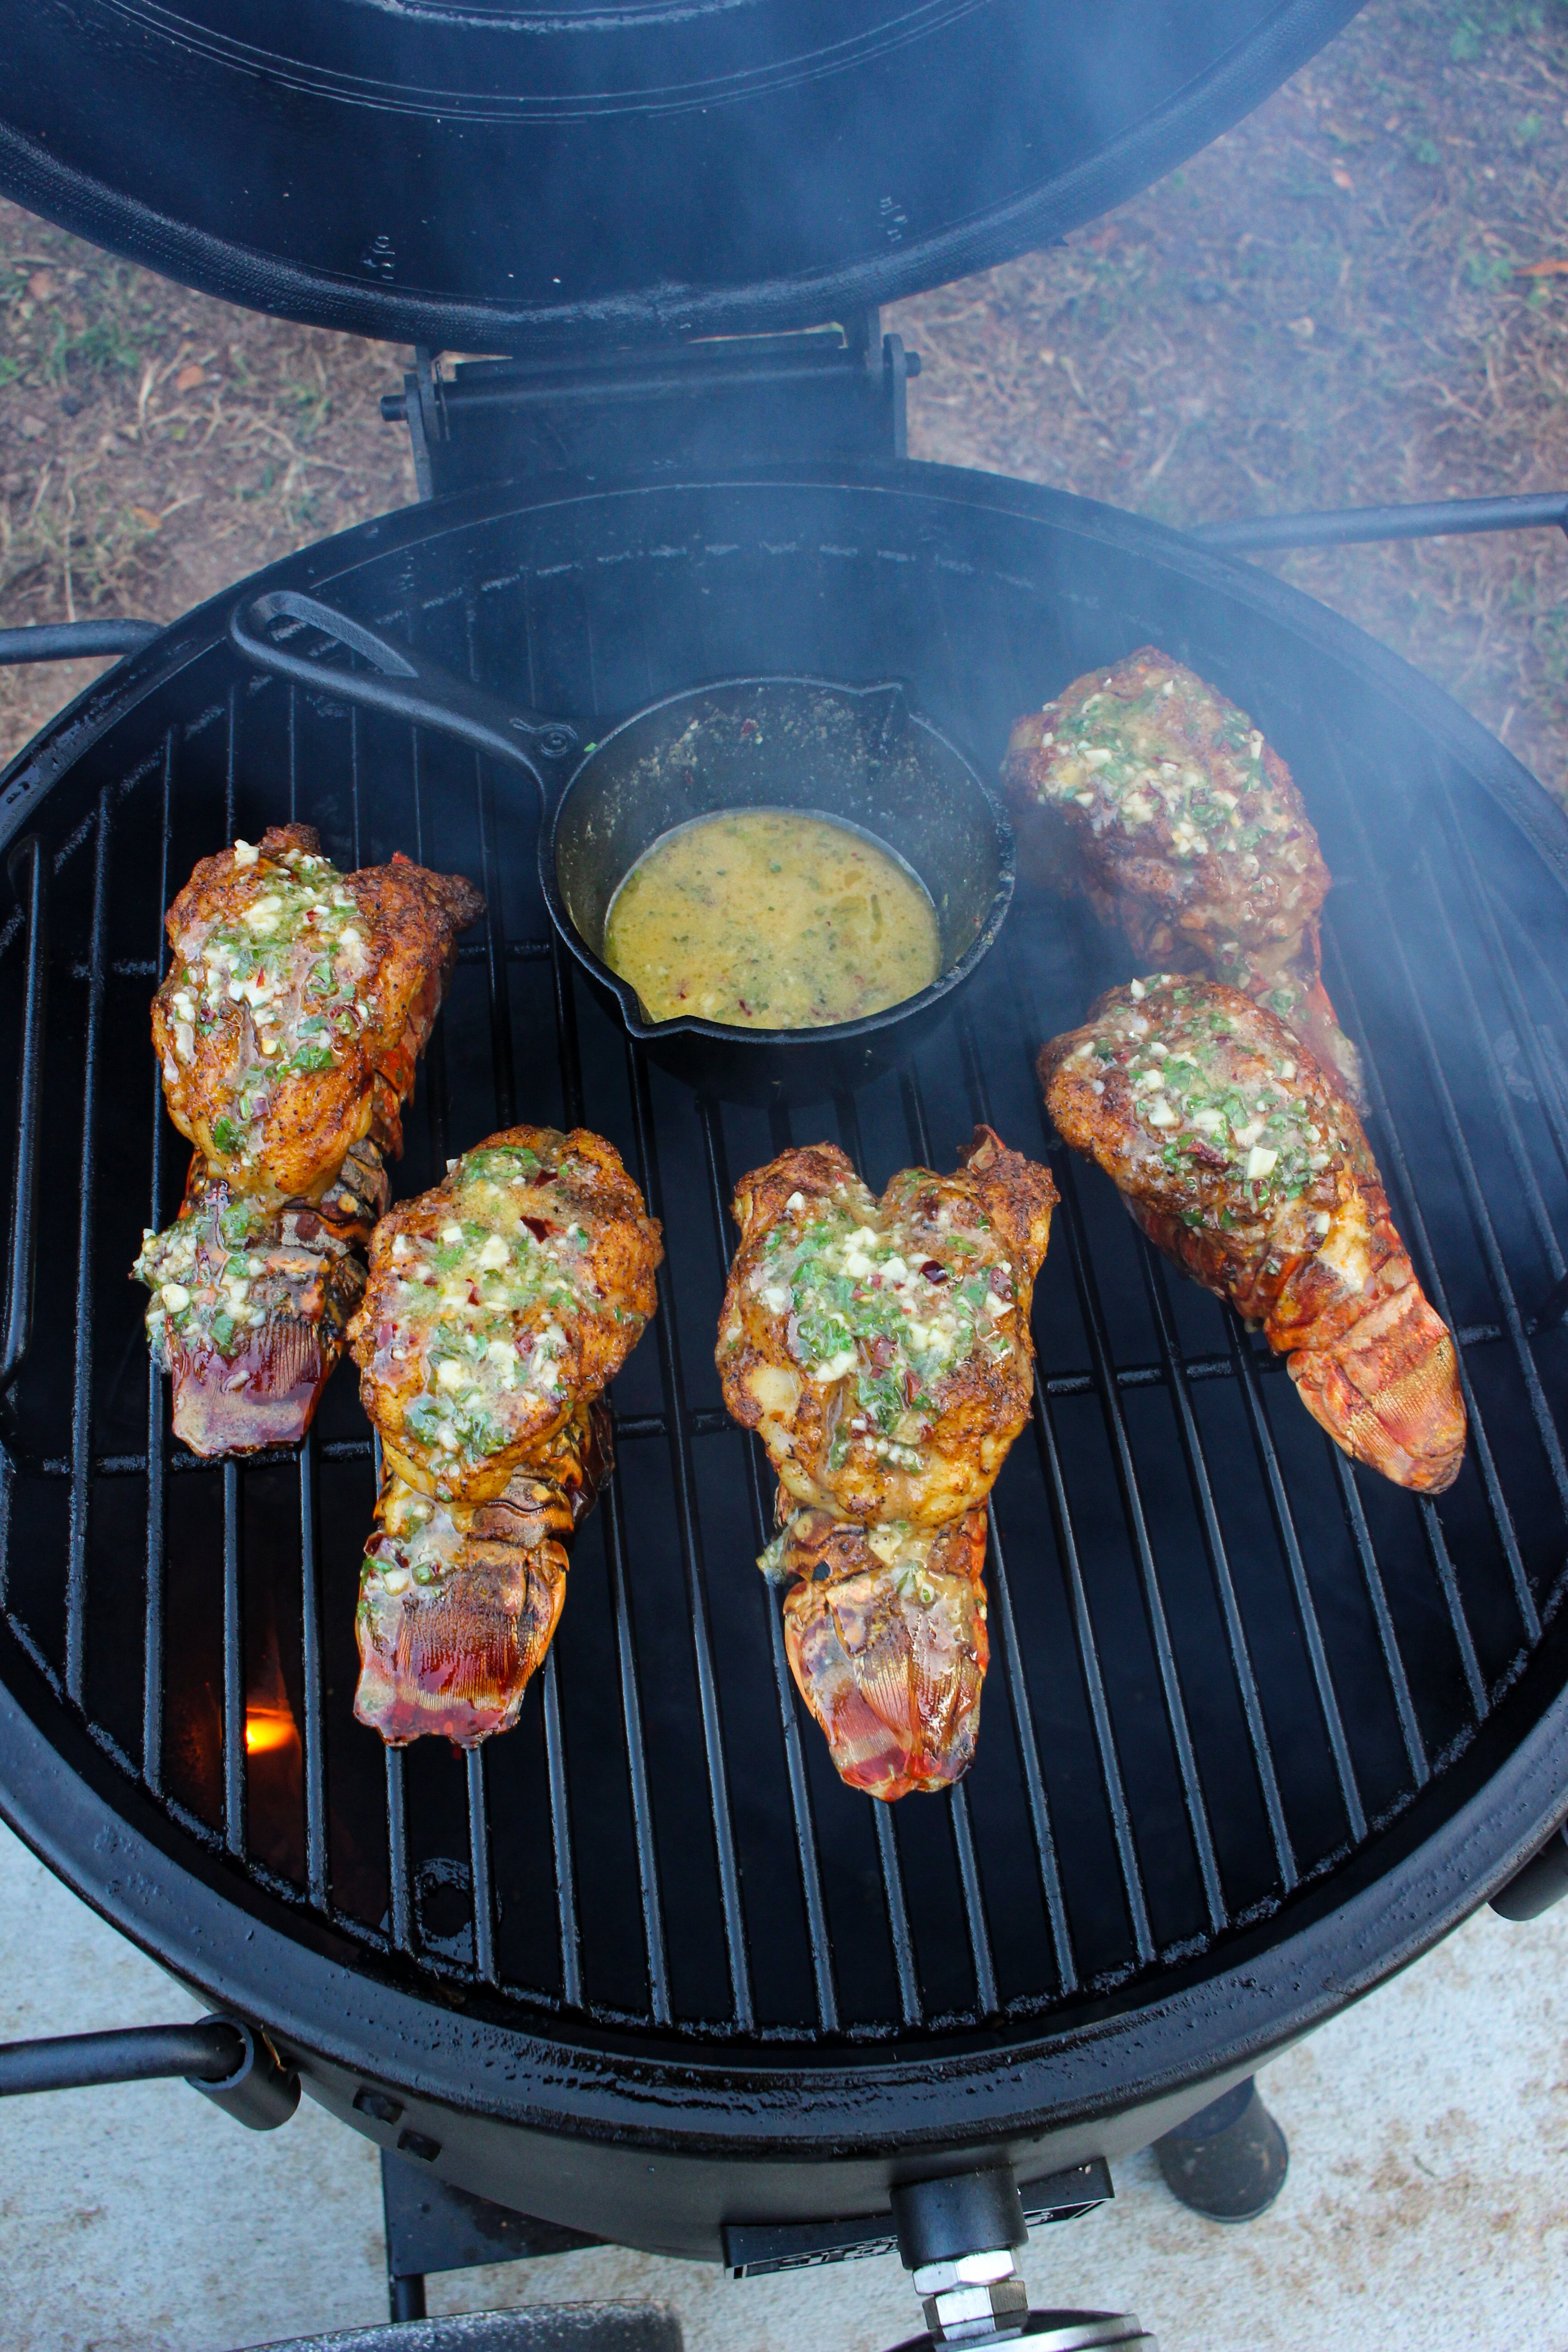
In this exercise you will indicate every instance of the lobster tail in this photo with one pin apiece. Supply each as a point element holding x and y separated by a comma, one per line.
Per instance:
<point>455,1657</point>
<point>890,1655</point>
<point>1387,1391</point>
<point>460,1601</point>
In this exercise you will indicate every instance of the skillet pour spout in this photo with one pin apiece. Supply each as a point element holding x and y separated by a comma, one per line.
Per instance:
<point>862,755</point>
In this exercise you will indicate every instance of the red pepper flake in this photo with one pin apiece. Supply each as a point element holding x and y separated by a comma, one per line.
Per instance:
<point>934,1271</point>
<point>540,1227</point>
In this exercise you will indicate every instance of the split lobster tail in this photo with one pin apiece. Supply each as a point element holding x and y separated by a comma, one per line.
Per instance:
<point>886,1640</point>
<point>1241,1157</point>
<point>1388,1391</point>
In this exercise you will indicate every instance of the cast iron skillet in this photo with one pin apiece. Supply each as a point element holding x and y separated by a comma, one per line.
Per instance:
<point>860,753</point>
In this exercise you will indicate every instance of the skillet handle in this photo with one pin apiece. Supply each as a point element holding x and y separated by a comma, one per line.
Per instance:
<point>399,681</point>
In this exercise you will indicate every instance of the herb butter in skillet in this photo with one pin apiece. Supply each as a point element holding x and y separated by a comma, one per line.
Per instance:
<point>770,919</point>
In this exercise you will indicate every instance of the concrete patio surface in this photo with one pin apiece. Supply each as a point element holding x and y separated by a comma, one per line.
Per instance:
<point>1427,2208</point>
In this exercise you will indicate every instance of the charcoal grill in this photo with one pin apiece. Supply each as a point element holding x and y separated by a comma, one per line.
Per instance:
<point>1260,1727</point>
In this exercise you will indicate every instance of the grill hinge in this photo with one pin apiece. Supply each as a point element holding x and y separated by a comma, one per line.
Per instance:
<point>835,391</point>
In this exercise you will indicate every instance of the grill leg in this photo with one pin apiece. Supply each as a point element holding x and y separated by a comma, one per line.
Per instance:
<point>1230,2161</point>
<point>407,2297</point>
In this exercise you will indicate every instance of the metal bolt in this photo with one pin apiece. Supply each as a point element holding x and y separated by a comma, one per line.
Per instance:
<point>968,2270</point>
<point>976,2299</point>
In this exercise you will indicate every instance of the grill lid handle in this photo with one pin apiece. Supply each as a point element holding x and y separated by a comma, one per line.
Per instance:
<point>268,629</point>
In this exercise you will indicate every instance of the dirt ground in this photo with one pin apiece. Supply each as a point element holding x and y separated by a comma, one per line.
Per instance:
<point>1360,294</point>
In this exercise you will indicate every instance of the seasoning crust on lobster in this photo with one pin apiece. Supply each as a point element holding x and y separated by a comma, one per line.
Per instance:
<point>296,1002</point>
<point>1185,828</point>
<point>881,1348</point>
<point>1240,1156</point>
<point>511,1292</point>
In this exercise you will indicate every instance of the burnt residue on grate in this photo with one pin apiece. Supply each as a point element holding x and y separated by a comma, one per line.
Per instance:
<point>1224,1658</point>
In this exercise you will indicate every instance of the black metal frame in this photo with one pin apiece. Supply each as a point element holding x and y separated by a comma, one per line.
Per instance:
<point>956,136</point>
<point>68,1796</point>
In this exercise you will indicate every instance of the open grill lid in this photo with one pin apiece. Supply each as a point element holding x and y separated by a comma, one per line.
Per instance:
<point>491,174</point>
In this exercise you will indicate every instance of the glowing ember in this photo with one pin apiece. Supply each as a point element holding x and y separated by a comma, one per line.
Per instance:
<point>268,1728</point>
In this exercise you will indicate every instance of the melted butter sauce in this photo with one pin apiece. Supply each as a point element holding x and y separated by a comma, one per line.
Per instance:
<point>770,919</point>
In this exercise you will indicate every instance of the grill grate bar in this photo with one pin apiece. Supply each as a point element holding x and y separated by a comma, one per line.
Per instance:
<point>1496,1268</point>
<point>1554,1095</point>
<point>892,1865</point>
<point>1507,1117</point>
<point>233,1667</point>
<point>1094,1679</point>
<point>1219,1568</point>
<point>1372,1577</point>
<point>1132,1506</point>
<point>81,1387</point>
<point>1548,1088</point>
<point>1296,1568</point>
<point>985,2000</point>
<point>720,1191</point>
<point>314,1743</point>
<point>691,1555</point>
<point>479,1867</point>
<point>560,1830</point>
<point>21,1257</point>
<point>636,1756</point>
<point>1072,1571</point>
<point>565,1007</point>
<point>495,939</point>
<point>1502,1289</point>
<point>570,1055</point>
<point>1012,1652</point>
<point>962,1837</point>
<point>1443,1568</point>
<point>400,1902</point>
<point>157,1457</point>
<point>1412,1226</point>
<point>1029,1757</point>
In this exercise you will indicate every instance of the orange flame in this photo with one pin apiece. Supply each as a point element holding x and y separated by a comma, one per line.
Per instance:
<point>268,1728</point>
